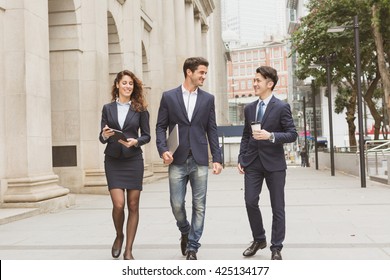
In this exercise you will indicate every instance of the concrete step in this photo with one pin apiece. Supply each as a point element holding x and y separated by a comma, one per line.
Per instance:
<point>384,179</point>
<point>8,215</point>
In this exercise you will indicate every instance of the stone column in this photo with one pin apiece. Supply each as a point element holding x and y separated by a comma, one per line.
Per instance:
<point>157,76</point>
<point>94,84</point>
<point>2,104</point>
<point>27,116</point>
<point>199,47</point>
<point>181,38</point>
<point>190,28</point>
<point>132,36</point>
<point>169,44</point>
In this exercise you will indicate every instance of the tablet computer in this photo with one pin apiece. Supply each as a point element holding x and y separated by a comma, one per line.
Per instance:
<point>118,135</point>
<point>173,139</point>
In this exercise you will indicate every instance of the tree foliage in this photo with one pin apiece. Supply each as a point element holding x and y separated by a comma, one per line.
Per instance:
<point>311,41</point>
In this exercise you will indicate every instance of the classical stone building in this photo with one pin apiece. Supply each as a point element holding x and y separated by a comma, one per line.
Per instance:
<point>58,59</point>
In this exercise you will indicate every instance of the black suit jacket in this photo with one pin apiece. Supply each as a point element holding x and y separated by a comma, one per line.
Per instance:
<point>134,122</point>
<point>277,119</point>
<point>195,134</point>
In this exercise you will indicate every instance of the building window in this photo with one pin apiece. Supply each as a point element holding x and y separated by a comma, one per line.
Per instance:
<point>243,85</point>
<point>249,84</point>
<point>249,70</point>
<point>282,81</point>
<point>236,71</point>
<point>276,52</point>
<point>276,65</point>
<point>235,57</point>
<point>242,56</point>
<point>249,56</point>
<point>255,55</point>
<point>262,54</point>
<point>242,70</point>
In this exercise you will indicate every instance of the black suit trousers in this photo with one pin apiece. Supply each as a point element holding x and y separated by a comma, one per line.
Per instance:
<point>255,174</point>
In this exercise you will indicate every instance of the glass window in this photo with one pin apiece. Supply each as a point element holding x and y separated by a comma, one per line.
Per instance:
<point>243,85</point>
<point>276,65</point>
<point>242,70</point>
<point>282,81</point>
<point>236,71</point>
<point>249,56</point>
<point>249,70</point>
<point>276,53</point>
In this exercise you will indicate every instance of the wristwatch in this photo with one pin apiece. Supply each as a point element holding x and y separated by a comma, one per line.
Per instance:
<point>271,137</point>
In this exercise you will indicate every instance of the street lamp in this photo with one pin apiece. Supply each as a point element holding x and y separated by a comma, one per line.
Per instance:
<point>329,85</point>
<point>235,99</point>
<point>328,59</point>
<point>304,124</point>
<point>314,122</point>
<point>359,94</point>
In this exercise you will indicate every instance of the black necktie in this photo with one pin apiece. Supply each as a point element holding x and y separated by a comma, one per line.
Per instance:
<point>260,112</point>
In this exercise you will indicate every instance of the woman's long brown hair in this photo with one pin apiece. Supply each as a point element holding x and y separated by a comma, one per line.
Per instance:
<point>137,98</point>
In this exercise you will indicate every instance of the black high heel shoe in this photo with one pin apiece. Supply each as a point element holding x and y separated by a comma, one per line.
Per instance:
<point>116,252</point>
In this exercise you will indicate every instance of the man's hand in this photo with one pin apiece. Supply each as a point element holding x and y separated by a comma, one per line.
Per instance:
<point>167,157</point>
<point>261,134</point>
<point>217,168</point>
<point>240,169</point>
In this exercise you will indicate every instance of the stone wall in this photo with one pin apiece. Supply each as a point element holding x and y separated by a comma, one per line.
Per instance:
<point>58,59</point>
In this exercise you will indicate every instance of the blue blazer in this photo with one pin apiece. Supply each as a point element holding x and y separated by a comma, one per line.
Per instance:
<point>194,134</point>
<point>277,118</point>
<point>134,122</point>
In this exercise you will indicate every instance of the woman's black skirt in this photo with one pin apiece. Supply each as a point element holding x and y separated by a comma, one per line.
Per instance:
<point>124,173</point>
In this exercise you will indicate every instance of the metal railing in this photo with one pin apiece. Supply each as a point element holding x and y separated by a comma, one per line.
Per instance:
<point>376,153</point>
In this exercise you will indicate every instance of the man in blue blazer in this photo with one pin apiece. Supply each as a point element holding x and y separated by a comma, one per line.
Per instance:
<point>194,111</point>
<point>268,125</point>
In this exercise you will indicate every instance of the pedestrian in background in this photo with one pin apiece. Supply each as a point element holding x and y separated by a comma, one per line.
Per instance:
<point>303,155</point>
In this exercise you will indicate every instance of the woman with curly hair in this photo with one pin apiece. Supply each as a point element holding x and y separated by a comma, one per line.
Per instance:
<point>125,128</point>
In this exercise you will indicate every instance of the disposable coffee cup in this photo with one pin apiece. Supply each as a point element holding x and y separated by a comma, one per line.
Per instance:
<point>256,126</point>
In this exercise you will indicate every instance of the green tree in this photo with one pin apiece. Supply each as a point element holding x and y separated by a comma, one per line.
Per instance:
<point>312,41</point>
<point>380,10</point>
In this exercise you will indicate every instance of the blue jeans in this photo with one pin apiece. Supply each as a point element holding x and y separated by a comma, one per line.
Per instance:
<point>179,175</point>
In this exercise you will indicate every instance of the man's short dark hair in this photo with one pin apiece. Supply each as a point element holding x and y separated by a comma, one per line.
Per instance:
<point>268,73</point>
<point>192,63</point>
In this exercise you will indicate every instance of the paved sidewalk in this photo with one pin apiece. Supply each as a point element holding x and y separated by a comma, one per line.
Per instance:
<point>328,217</point>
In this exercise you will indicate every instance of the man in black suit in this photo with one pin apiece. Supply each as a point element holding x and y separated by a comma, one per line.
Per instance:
<point>261,157</point>
<point>194,111</point>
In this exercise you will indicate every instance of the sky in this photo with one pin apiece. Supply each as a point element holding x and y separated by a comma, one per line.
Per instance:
<point>254,21</point>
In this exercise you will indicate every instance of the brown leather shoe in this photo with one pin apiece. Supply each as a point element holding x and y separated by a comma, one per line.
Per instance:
<point>255,246</point>
<point>183,243</point>
<point>191,255</point>
<point>276,255</point>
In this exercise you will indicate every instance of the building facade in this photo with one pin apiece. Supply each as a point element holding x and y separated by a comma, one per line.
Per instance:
<point>242,69</point>
<point>58,60</point>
